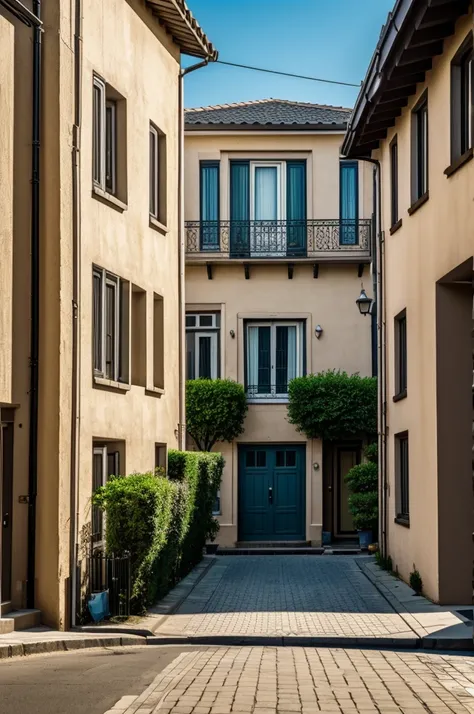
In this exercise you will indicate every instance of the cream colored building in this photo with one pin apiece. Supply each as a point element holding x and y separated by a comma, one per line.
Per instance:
<point>108,306</point>
<point>414,115</point>
<point>278,239</point>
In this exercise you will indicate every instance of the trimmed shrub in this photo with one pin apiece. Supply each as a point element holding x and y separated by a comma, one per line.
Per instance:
<point>363,478</point>
<point>215,411</point>
<point>364,509</point>
<point>162,523</point>
<point>333,405</point>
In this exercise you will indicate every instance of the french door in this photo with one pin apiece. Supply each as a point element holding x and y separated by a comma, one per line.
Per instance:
<point>267,209</point>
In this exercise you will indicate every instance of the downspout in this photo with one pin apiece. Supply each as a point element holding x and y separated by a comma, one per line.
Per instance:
<point>76,343</point>
<point>181,254</point>
<point>34,306</point>
<point>379,292</point>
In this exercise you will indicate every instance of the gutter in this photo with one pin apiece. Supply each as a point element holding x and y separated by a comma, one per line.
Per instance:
<point>22,13</point>
<point>181,252</point>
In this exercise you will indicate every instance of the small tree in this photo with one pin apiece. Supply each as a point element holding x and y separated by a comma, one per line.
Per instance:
<point>333,405</point>
<point>362,481</point>
<point>215,411</point>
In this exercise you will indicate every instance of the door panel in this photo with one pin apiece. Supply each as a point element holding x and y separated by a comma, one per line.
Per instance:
<point>6,481</point>
<point>271,497</point>
<point>347,458</point>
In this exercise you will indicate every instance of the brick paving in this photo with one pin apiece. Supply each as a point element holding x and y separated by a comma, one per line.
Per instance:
<point>259,680</point>
<point>314,596</point>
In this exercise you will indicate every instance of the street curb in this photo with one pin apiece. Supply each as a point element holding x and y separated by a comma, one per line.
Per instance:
<point>67,645</point>
<point>166,610</point>
<point>288,641</point>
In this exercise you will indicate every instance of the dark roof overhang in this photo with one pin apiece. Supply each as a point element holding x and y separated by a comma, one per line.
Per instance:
<point>412,37</point>
<point>179,22</point>
<point>264,127</point>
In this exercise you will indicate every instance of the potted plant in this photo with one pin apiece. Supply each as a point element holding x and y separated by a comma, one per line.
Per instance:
<point>362,481</point>
<point>211,547</point>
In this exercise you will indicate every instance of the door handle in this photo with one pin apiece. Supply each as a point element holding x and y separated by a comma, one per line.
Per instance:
<point>270,494</point>
<point>6,520</point>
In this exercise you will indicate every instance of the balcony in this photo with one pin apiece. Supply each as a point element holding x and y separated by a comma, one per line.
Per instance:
<point>316,240</point>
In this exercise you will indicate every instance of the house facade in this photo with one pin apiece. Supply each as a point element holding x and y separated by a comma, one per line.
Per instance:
<point>414,116</point>
<point>278,238</point>
<point>90,327</point>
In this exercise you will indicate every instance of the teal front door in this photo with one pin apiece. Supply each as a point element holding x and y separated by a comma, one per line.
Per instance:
<point>271,493</point>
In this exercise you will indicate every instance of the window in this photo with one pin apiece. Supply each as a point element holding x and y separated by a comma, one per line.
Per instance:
<point>105,463</point>
<point>394,180</point>
<point>139,338</point>
<point>109,139</point>
<point>401,355</point>
<point>161,456</point>
<point>419,148</point>
<point>202,345</point>
<point>216,508</point>
<point>461,100</point>
<point>403,481</point>
<point>157,174</point>
<point>110,326</point>
<point>209,205</point>
<point>158,342</point>
<point>349,203</point>
<point>274,357</point>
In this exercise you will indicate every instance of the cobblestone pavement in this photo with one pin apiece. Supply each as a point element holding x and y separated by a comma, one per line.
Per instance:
<point>325,596</point>
<point>259,680</point>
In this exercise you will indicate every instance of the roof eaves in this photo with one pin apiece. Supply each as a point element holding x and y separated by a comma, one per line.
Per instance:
<point>178,20</point>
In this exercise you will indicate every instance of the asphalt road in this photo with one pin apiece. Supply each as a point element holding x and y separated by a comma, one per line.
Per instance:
<point>90,681</point>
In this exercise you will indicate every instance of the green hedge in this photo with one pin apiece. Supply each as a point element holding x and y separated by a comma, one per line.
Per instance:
<point>163,523</point>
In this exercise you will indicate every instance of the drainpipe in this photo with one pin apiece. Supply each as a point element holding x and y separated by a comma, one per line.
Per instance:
<point>379,292</point>
<point>181,254</point>
<point>76,343</point>
<point>34,327</point>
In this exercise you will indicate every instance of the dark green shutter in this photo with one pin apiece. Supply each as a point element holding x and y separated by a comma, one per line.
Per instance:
<point>296,207</point>
<point>239,208</point>
<point>209,200</point>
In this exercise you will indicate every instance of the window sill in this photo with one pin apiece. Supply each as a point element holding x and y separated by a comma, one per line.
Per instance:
<point>154,391</point>
<point>457,163</point>
<point>111,384</point>
<point>108,198</point>
<point>269,400</point>
<point>396,226</point>
<point>418,203</point>
<point>405,522</point>
<point>401,395</point>
<point>158,226</point>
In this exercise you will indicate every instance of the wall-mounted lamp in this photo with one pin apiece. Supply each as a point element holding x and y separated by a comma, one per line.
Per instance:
<point>232,334</point>
<point>318,331</point>
<point>316,466</point>
<point>363,302</point>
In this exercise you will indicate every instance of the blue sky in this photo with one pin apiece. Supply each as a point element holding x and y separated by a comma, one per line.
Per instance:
<point>333,39</point>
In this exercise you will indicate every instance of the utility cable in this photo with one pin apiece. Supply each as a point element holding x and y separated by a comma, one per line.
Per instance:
<point>288,74</point>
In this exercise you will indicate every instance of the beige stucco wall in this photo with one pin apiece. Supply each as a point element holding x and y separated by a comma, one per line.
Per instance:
<point>328,300</point>
<point>431,242</point>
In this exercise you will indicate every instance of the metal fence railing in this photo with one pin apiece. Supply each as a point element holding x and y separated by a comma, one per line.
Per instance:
<point>111,574</point>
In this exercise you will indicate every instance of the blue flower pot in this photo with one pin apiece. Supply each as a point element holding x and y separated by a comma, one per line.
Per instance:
<point>365,539</point>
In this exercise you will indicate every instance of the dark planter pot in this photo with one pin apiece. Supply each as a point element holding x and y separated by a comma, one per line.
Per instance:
<point>365,539</point>
<point>211,548</point>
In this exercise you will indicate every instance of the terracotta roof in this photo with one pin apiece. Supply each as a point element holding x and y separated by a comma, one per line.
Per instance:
<point>269,113</point>
<point>178,20</point>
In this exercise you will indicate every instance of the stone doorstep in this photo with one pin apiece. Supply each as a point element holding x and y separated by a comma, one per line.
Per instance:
<point>156,615</point>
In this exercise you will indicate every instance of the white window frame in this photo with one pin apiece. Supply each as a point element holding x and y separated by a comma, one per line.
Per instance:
<point>213,331</point>
<point>198,325</point>
<point>213,336</point>
<point>112,105</point>
<point>154,173</point>
<point>274,398</point>
<point>100,451</point>
<point>99,131</point>
<point>108,278</point>
<point>281,186</point>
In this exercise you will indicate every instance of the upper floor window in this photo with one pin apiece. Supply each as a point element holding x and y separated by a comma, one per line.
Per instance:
<point>157,188</point>
<point>209,205</point>
<point>110,326</point>
<point>401,355</point>
<point>394,181</point>
<point>461,100</point>
<point>274,356</point>
<point>202,345</point>
<point>402,473</point>
<point>109,141</point>
<point>349,203</point>
<point>105,463</point>
<point>419,150</point>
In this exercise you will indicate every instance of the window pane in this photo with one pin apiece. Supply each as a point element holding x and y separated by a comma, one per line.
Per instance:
<point>206,320</point>
<point>190,320</point>
<point>190,352</point>
<point>250,459</point>
<point>216,509</point>
<point>97,307</point>
<point>209,206</point>
<point>261,459</point>
<point>205,346</point>
<point>394,181</point>
<point>97,481</point>
<point>110,330</point>
<point>153,172</point>
<point>97,133</point>
<point>110,146</point>
<point>266,193</point>
<point>264,360</point>
<point>282,360</point>
<point>291,458</point>
<point>349,197</point>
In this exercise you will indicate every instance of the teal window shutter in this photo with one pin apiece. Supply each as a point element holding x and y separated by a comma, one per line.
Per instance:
<point>296,207</point>
<point>239,208</point>
<point>349,203</point>
<point>209,205</point>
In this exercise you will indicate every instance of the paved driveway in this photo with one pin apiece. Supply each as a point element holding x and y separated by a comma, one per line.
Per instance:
<point>284,596</point>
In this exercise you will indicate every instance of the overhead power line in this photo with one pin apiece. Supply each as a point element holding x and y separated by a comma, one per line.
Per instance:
<point>288,74</point>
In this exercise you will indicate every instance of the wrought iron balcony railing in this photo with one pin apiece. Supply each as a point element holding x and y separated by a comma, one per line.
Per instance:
<point>267,391</point>
<point>313,238</point>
